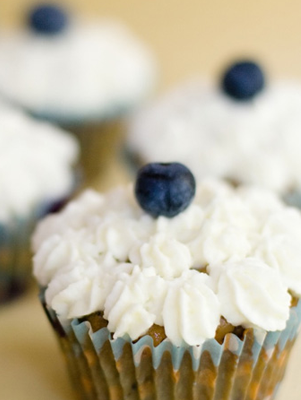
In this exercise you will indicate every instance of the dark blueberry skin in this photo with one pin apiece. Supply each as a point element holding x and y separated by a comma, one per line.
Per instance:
<point>164,189</point>
<point>48,19</point>
<point>243,80</point>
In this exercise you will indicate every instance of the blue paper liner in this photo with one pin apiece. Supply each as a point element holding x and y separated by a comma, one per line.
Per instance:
<point>293,198</point>
<point>132,161</point>
<point>238,369</point>
<point>15,257</point>
<point>80,119</point>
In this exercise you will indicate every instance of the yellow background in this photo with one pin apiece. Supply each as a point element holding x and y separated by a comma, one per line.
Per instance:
<point>197,36</point>
<point>188,37</point>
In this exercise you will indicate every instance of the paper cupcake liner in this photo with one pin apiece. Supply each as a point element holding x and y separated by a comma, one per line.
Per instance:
<point>105,369</point>
<point>80,119</point>
<point>132,160</point>
<point>15,257</point>
<point>293,198</point>
<point>98,143</point>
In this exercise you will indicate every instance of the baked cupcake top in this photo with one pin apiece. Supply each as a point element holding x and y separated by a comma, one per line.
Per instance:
<point>36,164</point>
<point>72,70</point>
<point>241,129</point>
<point>230,252</point>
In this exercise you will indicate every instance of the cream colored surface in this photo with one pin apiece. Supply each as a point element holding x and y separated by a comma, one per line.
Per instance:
<point>188,37</point>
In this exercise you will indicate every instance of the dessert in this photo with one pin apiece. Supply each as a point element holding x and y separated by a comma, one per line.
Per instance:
<point>83,74</point>
<point>71,70</point>
<point>37,174</point>
<point>198,300</point>
<point>245,129</point>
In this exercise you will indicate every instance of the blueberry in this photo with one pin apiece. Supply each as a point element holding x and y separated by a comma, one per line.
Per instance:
<point>48,19</point>
<point>243,80</point>
<point>164,189</point>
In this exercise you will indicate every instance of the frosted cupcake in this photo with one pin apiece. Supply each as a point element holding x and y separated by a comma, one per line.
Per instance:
<point>181,292</point>
<point>81,74</point>
<point>36,175</point>
<point>244,128</point>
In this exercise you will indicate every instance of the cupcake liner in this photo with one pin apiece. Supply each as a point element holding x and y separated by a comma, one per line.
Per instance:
<point>132,161</point>
<point>81,118</point>
<point>293,198</point>
<point>15,257</point>
<point>238,369</point>
<point>98,143</point>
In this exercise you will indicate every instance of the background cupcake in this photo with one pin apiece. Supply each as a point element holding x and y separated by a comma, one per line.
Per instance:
<point>82,74</point>
<point>244,128</point>
<point>37,175</point>
<point>188,294</point>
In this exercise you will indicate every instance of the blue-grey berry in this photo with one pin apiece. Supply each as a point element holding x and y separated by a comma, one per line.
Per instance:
<point>243,80</point>
<point>164,188</point>
<point>48,19</point>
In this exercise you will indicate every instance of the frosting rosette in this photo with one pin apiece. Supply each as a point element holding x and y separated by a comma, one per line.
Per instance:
<point>243,286</point>
<point>232,254</point>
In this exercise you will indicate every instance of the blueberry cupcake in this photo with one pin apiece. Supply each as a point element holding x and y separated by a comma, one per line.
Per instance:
<point>83,74</point>
<point>170,290</point>
<point>245,129</point>
<point>37,175</point>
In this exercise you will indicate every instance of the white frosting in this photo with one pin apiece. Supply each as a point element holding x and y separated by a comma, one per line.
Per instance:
<point>103,253</point>
<point>251,142</point>
<point>191,310</point>
<point>36,163</point>
<point>90,71</point>
<point>245,285</point>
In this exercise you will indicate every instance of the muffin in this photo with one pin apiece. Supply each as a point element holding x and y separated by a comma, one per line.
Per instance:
<point>244,128</point>
<point>174,292</point>
<point>82,74</point>
<point>37,174</point>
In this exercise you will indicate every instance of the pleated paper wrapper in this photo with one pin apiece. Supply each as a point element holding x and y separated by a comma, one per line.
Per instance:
<point>106,369</point>
<point>15,257</point>
<point>99,143</point>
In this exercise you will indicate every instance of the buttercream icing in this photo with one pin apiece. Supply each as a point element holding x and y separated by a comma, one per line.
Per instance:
<point>89,71</point>
<point>256,141</point>
<point>217,258</point>
<point>36,163</point>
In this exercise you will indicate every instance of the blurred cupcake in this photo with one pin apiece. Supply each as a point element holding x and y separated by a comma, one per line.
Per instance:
<point>36,177</point>
<point>81,74</point>
<point>190,294</point>
<point>244,129</point>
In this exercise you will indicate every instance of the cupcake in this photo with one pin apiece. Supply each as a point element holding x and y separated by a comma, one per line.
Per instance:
<point>245,128</point>
<point>168,290</point>
<point>83,74</point>
<point>37,175</point>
